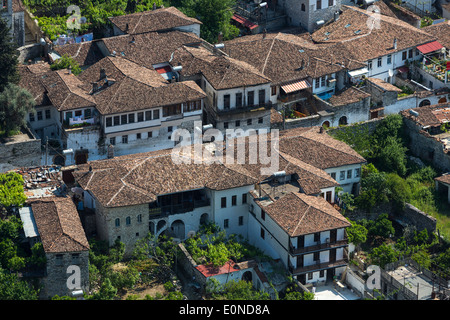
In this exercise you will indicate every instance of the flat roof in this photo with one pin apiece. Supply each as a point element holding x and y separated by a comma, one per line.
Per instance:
<point>29,224</point>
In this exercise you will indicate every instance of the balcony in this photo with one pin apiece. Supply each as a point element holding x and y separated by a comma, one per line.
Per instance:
<point>178,203</point>
<point>247,108</point>
<point>318,247</point>
<point>318,265</point>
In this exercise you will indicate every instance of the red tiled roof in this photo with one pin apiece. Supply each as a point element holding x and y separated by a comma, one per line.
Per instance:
<point>244,21</point>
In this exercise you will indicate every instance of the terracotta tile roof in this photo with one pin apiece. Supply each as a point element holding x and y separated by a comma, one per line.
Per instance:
<point>301,214</point>
<point>433,115</point>
<point>66,91</point>
<point>140,178</point>
<point>363,43</point>
<point>221,72</point>
<point>441,31</point>
<point>135,87</point>
<point>30,79</point>
<point>445,178</point>
<point>384,85</point>
<point>280,56</point>
<point>155,20</point>
<point>17,6</point>
<point>84,53</point>
<point>317,149</point>
<point>59,225</point>
<point>347,96</point>
<point>149,48</point>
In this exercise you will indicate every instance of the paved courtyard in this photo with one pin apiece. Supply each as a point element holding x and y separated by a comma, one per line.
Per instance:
<point>328,292</point>
<point>414,280</point>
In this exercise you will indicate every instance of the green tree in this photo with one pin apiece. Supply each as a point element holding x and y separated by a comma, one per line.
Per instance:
<point>15,104</point>
<point>8,57</point>
<point>382,226</point>
<point>357,233</point>
<point>243,290</point>
<point>215,16</point>
<point>13,288</point>
<point>392,156</point>
<point>107,291</point>
<point>383,255</point>
<point>399,190</point>
<point>64,63</point>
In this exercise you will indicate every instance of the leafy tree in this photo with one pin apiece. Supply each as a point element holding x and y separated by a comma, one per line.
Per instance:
<point>383,255</point>
<point>382,226</point>
<point>10,228</point>
<point>242,290</point>
<point>8,57</point>
<point>399,190</point>
<point>295,295</point>
<point>215,16</point>
<point>37,259</point>
<point>423,258</point>
<point>64,63</point>
<point>107,291</point>
<point>15,104</point>
<point>13,288</point>
<point>357,233</point>
<point>392,156</point>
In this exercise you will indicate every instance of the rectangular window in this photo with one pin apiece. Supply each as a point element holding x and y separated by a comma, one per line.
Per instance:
<point>249,122</point>
<point>389,59</point>
<point>234,200</point>
<point>357,172</point>
<point>316,237</point>
<point>319,4</point>
<point>87,113</point>
<point>322,81</point>
<point>262,96</point>
<point>322,273</point>
<point>273,90</point>
<point>78,113</point>
<point>330,3</point>
<point>75,258</point>
<point>349,174</point>
<point>260,120</point>
<point>241,220</point>
<point>150,134</point>
<point>123,119</point>
<point>316,256</point>
<point>225,125</point>
<point>140,116</point>
<point>117,120</point>
<point>410,53</point>
<point>342,175</point>
<point>310,276</point>
<point>125,139</point>
<point>380,62</point>
<point>226,101</point>
<point>148,115</point>
<point>226,223</point>
<point>31,115</point>
<point>172,110</point>
<point>333,175</point>
<point>47,114</point>
<point>192,106</point>
<point>156,114</point>
<point>263,215</point>
<point>223,202</point>
<point>238,123</point>
<point>109,121</point>
<point>369,65</point>
<point>244,198</point>
<point>59,259</point>
<point>112,141</point>
<point>317,81</point>
<point>250,98</point>
<point>131,118</point>
<point>138,136</point>
<point>404,53</point>
<point>39,115</point>
<point>263,233</point>
<point>238,100</point>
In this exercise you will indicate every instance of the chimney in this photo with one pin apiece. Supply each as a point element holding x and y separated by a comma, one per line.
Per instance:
<point>102,74</point>
<point>336,16</point>
<point>264,33</point>
<point>127,27</point>
<point>70,69</point>
<point>302,65</point>
<point>94,87</point>
<point>395,43</point>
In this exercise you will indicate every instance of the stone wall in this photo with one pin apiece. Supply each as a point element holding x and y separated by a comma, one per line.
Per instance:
<point>19,151</point>
<point>55,282</point>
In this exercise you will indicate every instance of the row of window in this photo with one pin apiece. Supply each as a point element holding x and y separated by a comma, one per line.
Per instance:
<point>117,222</point>
<point>348,173</point>
<point>226,222</point>
<point>237,123</point>
<point>407,54</point>
<point>39,115</point>
<point>223,200</point>
<point>132,118</point>
<point>331,3</point>
<point>75,259</point>
<point>239,100</point>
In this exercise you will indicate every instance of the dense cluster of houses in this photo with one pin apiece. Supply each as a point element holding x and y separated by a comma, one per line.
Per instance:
<point>110,129</point>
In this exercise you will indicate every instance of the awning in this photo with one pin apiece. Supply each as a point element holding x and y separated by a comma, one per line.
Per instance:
<point>164,69</point>
<point>358,72</point>
<point>296,85</point>
<point>430,47</point>
<point>244,21</point>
